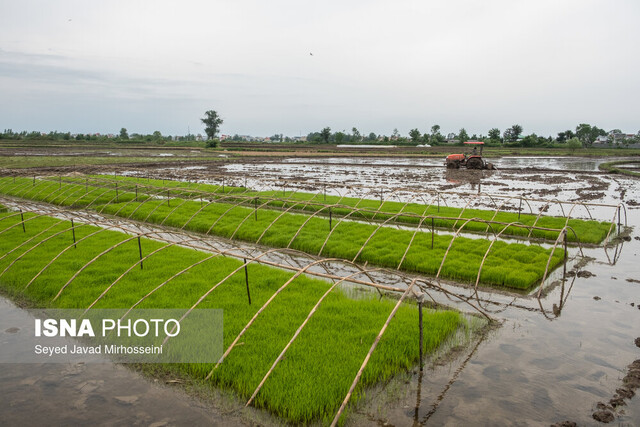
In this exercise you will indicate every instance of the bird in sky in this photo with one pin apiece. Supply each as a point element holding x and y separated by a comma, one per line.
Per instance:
<point>310,53</point>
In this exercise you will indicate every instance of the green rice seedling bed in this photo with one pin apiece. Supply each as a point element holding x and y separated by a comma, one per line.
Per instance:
<point>508,264</point>
<point>587,231</point>
<point>308,385</point>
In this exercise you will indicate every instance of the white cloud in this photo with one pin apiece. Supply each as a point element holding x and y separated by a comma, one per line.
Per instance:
<point>377,65</point>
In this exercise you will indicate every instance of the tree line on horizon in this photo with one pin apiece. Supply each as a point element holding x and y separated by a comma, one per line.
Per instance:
<point>584,135</point>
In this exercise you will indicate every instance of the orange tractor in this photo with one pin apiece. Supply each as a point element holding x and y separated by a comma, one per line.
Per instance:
<point>473,160</point>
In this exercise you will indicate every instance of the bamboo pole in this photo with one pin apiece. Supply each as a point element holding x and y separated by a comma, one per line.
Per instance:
<point>366,359</point>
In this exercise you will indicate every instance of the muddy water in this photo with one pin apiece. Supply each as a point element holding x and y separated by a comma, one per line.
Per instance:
<point>400,179</point>
<point>90,394</point>
<point>557,163</point>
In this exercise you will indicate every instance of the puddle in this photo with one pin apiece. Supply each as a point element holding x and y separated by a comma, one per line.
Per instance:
<point>91,394</point>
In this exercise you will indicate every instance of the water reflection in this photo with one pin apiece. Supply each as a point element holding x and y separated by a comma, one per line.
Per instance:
<point>463,177</point>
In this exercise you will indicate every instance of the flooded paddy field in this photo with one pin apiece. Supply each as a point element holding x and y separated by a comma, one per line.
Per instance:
<point>563,357</point>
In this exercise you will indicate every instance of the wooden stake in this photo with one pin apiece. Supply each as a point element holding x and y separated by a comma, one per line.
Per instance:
<point>438,196</point>
<point>136,192</point>
<point>421,334</point>
<point>256,207</point>
<point>246,279</point>
<point>432,232</point>
<point>329,219</point>
<point>140,251</point>
<point>520,207</point>
<point>117,199</point>
<point>168,197</point>
<point>73,231</point>
<point>22,218</point>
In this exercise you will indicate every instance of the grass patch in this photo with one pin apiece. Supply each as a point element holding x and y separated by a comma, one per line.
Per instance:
<point>611,167</point>
<point>320,365</point>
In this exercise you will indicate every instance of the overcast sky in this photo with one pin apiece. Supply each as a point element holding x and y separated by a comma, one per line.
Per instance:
<point>297,66</point>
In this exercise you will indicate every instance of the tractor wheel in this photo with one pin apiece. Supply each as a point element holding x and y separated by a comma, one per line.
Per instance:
<point>474,163</point>
<point>453,165</point>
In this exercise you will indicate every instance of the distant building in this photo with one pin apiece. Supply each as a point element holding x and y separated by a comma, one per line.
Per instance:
<point>601,140</point>
<point>613,138</point>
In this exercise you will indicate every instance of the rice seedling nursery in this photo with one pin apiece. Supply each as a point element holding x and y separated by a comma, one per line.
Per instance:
<point>300,389</point>
<point>504,264</point>
<point>304,338</point>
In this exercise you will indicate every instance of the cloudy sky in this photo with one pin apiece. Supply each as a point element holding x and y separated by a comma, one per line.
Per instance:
<point>297,66</point>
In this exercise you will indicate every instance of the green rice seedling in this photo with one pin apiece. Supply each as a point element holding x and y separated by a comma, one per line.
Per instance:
<point>361,242</point>
<point>587,231</point>
<point>310,382</point>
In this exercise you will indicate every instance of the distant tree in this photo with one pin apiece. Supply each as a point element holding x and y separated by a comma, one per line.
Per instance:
<point>157,135</point>
<point>212,123</point>
<point>562,137</point>
<point>415,135</point>
<point>516,131</point>
<point>356,135</point>
<point>339,137</point>
<point>513,133</point>
<point>314,137</point>
<point>530,140</point>
<point>395,133</point>
<point>494,134</point>
<point>587,134</point>
<point>436,136</point>
<point>463,136</point>
<point>124,134</point>
<point>372,136</point>
<point>574,143</point>
<point>325,134</point>
<point>565,136</point>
